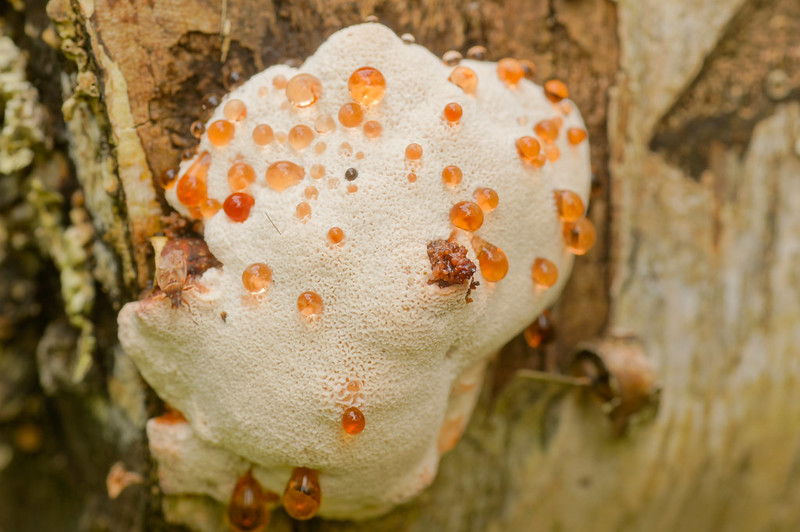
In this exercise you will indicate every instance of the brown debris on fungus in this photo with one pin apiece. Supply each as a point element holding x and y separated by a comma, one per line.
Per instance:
<point>450,265</point>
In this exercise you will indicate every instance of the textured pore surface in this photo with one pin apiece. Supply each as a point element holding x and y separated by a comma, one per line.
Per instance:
<point>263,384</point>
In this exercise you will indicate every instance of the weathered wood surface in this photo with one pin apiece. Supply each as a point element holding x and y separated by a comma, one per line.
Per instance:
<point>693,110</point>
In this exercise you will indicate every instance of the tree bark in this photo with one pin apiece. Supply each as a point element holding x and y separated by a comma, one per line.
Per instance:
<point>693,112</point>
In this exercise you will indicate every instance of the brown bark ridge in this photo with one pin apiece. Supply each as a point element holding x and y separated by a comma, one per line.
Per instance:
<point>693,111</point>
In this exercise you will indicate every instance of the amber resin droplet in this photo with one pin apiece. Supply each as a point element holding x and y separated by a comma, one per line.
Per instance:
<point>302,211</point>
<point>556,90</point>
<point>284,174</point>
<point>303,90</point>
<point>209,207</point>
<point>220,133</point>
<point>510,71</point>
<point>303,496</point>
<point>367,86</point>
<point>335,235</point>
<point>353,420</point>
<point>167,178</point>
<point>413,152</point>
<point>552,152</point>
<point>544,273</point>
<point>451,175</point>
<point>309,304</point>
<point>279,82</point>
<point>324,123</point>
<point>452,112</point>
<point>576,135</point>
<point>234,110</point>
<point>237,206</point>
<point>240,176</point>
<point>528,148</point>
<point>547,130</point>
<point>317,171</point>
<point>197,129</point>
<point>579,236</point>
<point>464,77</point>
<point>256,278</point>
<point>466,215</point>
<point>311,192</point>
<point>486,198</point>
<point>372,129</point>
<point>300,137</point>
<point>247,509</point>
<point>263,135</point>
<point>477,53</point>
<point>191,189</point>
<point>528,68</point>
<point>350,115</point>
<point>541,332</point>
<point>492,260</point>
<point>569,205</point>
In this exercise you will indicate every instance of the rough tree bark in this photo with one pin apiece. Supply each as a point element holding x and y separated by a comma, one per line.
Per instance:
<point>693,109</point>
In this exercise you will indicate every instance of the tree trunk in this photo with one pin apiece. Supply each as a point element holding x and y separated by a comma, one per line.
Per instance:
<point>693,111</point>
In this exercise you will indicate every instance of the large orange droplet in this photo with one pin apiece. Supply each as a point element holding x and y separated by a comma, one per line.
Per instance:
<point>303,495</point>
<point>579,236</point>
<point>510,71</point>
<point>464,77</point>
<point>247,509</point>
<point>466,215</point>
<point>191,189</point>
<point>544,273</point>
<point>220,133</point>
<point>353,421</point>
<point>367,86</point>
<point>569,205</point>
<point>493,262</point>
<point>284,174</point>
<point>303,90</point>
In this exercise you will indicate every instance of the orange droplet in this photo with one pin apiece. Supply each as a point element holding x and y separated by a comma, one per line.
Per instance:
<point>493,262</point>
<point>451,57</point>
<point>309,304</point>
<point>529,68</point>
<point>302,211</point>
<point>263,135</point>
<point>303,495</point>
<point>413,152</point>
<point>317,171</point>
<point>311,192</point>
<point>353,421</point>
<point>412,177</point>
<point>359,155</point>
<point>452,112</point>
<point>565,107</point>
<point>324,123</point>
<point>547,130</point>
<point>247,509</point>
<point>209,207</point>
<point>367,86</point>
<point>256,278</point>
<point>345,149</point>
<point>528,148</point>
<point>576,135</point>
<point>466,215</point>
<point>240,176</point>
<point>579,236</point>
<point>234,110</point>
<point>539,160</point>
<point>284,174</point>
<point>465,78</point>
<point>569,205</point>
<point>541,332</point>
<point>220,133</point>
<point>552,152</point>
<point>335,235</point>
<point>477,53</point>
<point>372,129</point>
<point>300,137</point>
<point>279,82</point>
<point>510,71</point>
<point>486,198</point>
<point>544,273</point>
<point>303,90</point>
<point>350,115</point>
<point>352,188</point>
<point>192,189</point>
<point>237,206</point>
<point>451,175</point>
<point>556,90</point>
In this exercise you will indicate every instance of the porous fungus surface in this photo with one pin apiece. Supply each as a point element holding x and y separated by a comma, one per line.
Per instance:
<point>264,385</point>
